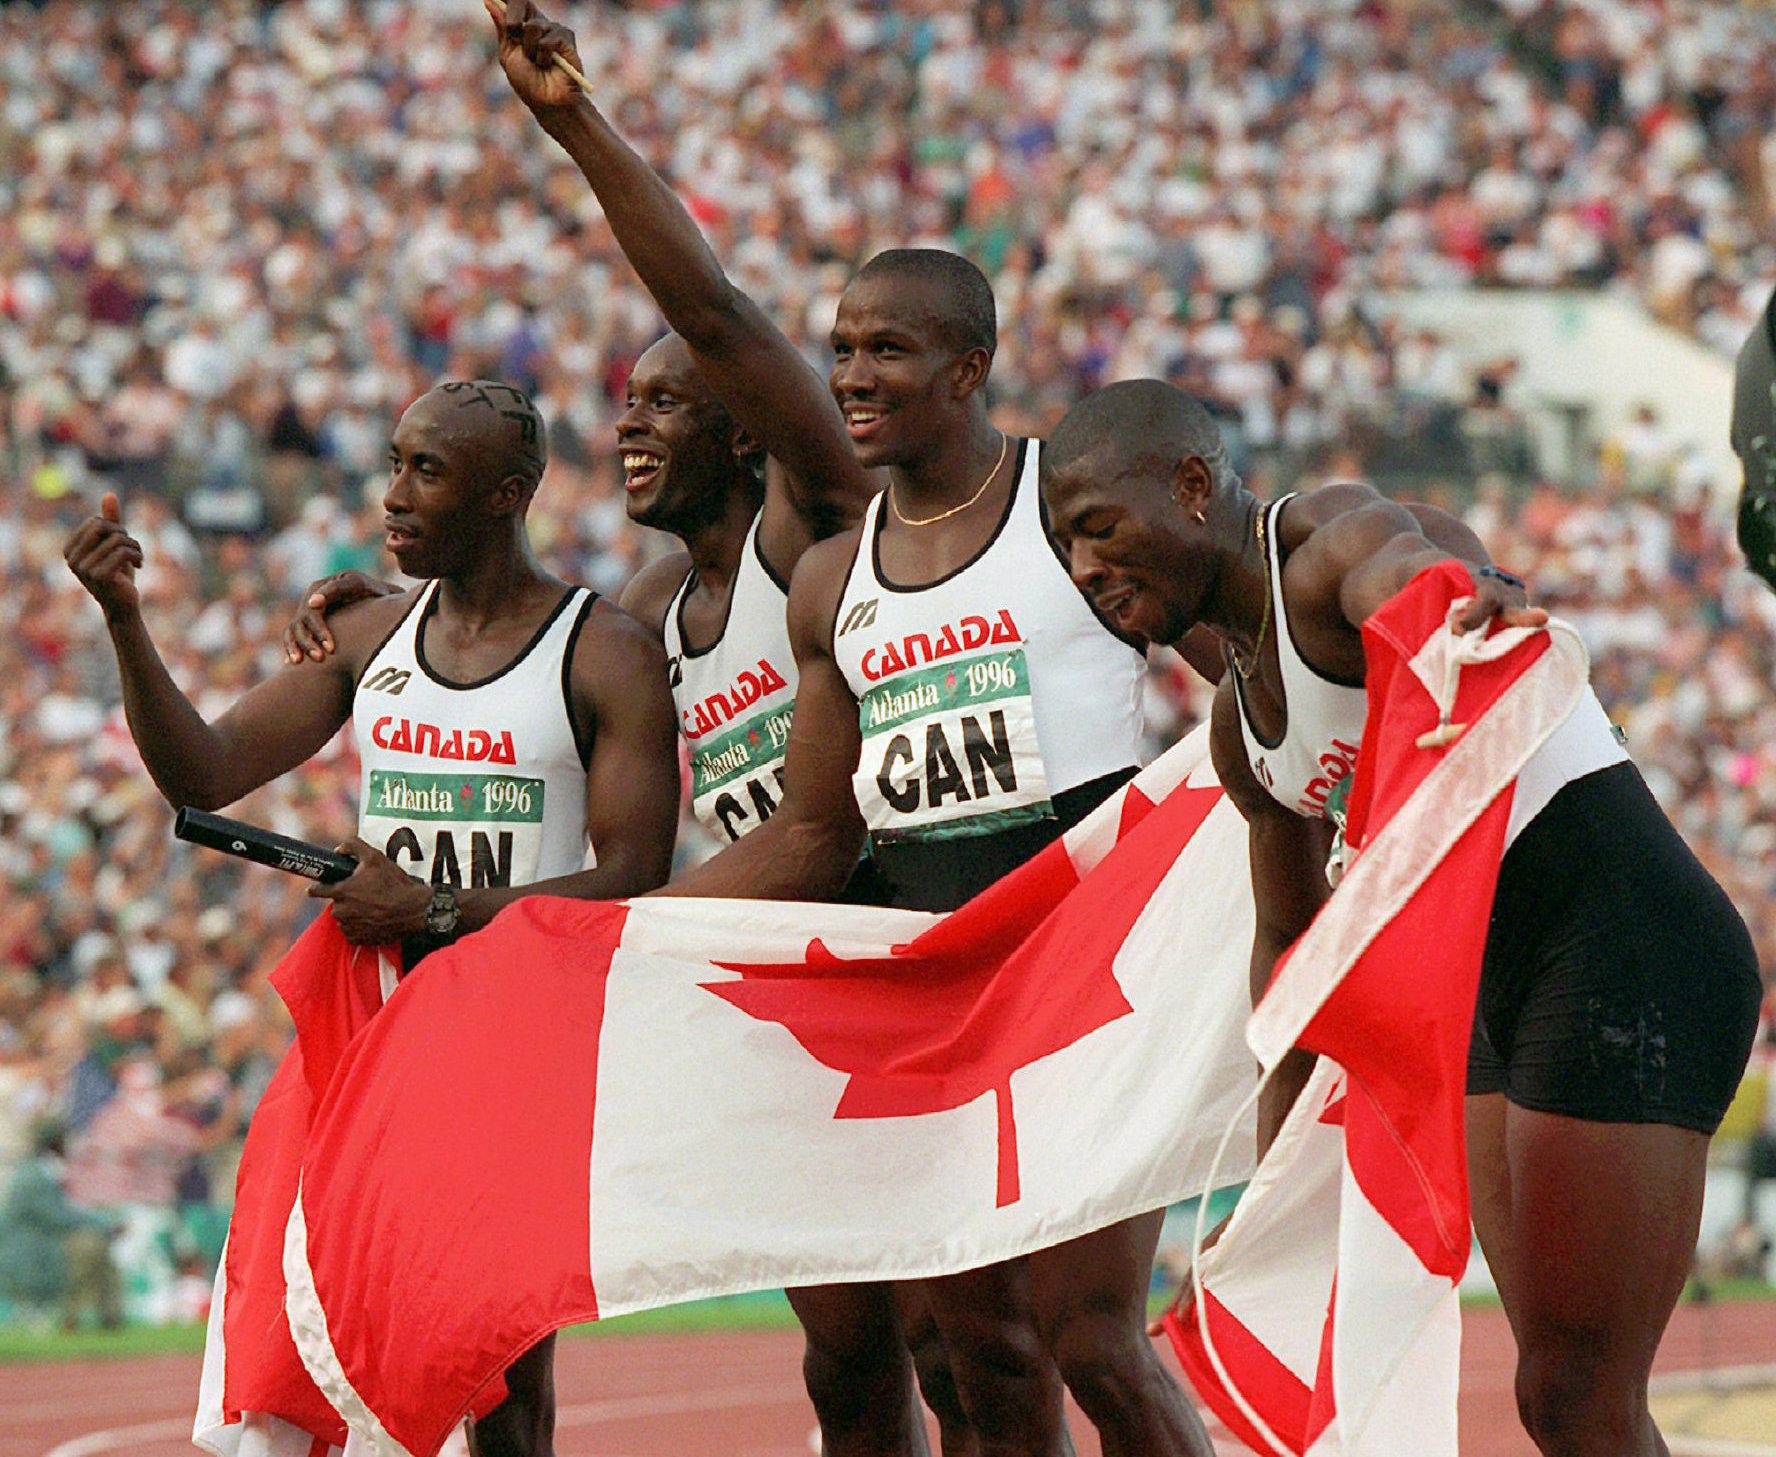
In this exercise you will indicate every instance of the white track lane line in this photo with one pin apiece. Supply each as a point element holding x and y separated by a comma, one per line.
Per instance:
<point>113,1439</point>
<point>578,1414</point>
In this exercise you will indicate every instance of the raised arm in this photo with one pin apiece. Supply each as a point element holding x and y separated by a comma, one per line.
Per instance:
<point>271,729</point>
<point>809,847</point>
<point>816,486</point>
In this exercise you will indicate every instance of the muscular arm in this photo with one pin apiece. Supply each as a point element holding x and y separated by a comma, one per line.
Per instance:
<point>271,729</point>
<point>632,792</point>
<point>809,847</point>
<point>1364,549</point>
<point>1288,863</point>
<point>651,590</point>
<point>816,485</point>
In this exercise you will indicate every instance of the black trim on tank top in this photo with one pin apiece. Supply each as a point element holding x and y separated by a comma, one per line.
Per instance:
<point>389,636</point>
<point>685,588</point>
<point>1017,478</point>
<point>536,637</point>
<point>583,734</point>
<point>685,650</point>
<point>1276,530</point>
<point>758,550</point>
<point>1274,535</point>
<point>1239,700</point>
<point>832,631</point>
<point>939,875</point>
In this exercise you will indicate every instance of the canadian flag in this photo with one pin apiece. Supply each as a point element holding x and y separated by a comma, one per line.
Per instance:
<point>587,1108</point>
<point>255,1399</point>
<point>1326,1319</point>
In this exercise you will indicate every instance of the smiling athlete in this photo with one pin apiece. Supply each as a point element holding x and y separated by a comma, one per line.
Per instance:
<point>505,721</point>
<point>963,706</point>
<point>1619,988</point>
<point>730,442</point>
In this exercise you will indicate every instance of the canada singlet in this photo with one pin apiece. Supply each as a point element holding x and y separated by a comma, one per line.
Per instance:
<point>734,698</point>
<point>1324,717</point>
<point>474,784</point>
<point>984,695</point>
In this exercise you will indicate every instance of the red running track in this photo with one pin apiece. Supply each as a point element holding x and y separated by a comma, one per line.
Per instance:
<point>722,1395</point>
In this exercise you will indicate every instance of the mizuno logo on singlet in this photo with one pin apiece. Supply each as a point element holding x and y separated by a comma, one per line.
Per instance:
<point>402,736</point>
<point>895,656</point>
<point>387,680</point>
<point>720,708</point>
<point>860,616</point>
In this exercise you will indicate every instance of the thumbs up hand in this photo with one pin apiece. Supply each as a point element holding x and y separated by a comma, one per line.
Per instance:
<point>104,557</point>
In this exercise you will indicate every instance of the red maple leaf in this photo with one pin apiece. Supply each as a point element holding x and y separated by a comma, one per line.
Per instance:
<point>466,793</point>
<point>1023,970</point>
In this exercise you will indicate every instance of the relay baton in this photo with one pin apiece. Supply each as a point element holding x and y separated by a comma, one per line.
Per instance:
<point>262,847</point>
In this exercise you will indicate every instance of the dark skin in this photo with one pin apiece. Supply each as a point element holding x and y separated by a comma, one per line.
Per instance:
<point>1555,1199</point>
<point>724,394</point>
<point>711,408</point>
<point>456,515</point>
<point>914,403</point>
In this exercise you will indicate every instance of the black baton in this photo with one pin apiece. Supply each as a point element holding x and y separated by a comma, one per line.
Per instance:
<point>262,847</point>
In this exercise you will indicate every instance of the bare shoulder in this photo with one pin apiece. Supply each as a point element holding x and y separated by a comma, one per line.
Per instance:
<point>1340,524</point>
<point>362,627</point>
<point>651,590</point>
<point>613,647</point>
<point>825,565</point>
<point>817,588</point>
<point>1313,511</point>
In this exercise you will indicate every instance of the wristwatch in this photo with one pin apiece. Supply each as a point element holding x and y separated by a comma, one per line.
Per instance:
<point>1499,574</point>
<point>443,913</point>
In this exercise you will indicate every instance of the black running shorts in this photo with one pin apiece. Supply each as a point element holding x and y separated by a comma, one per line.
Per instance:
<point>1619,983</point>
<point>939,875</point>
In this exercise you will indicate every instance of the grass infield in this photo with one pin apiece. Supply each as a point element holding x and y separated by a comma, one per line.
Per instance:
<point>767,1310</point>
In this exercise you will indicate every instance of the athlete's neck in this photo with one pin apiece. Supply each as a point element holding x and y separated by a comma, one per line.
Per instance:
<point>1233,606</point>
<point>718,544</point>
<point>952,470</point>
<point>493,589</point>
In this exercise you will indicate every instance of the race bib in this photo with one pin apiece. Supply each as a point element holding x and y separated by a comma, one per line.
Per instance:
<point>737,779</point>
<point>457,829</point>
<point>951,750</point>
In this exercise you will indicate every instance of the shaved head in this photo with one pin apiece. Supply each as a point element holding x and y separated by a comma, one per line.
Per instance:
<point>496,421</point>
<point>960,296</point>
<point>1140,426</point>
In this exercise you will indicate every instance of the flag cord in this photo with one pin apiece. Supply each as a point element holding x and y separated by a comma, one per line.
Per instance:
<point>1277,1445</point>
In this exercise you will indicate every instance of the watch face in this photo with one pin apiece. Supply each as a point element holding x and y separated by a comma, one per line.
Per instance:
<point>442,914</point>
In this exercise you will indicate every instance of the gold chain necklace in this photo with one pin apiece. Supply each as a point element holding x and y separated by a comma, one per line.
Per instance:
<point>981,490</point>
<point>1250,665</point>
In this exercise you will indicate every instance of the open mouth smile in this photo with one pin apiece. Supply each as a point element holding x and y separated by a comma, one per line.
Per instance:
<point>861,420</point>
<point>640,467</point>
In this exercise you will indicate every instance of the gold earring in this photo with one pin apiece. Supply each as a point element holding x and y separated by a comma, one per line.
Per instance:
<point>1201,520</point>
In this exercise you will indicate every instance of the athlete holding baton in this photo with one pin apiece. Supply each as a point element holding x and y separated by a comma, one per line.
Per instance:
<point>505,721</point>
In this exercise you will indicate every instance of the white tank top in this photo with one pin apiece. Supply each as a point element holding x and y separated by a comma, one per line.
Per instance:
<point>1323,727</point>
<point>986,693</point>
<point>473,784</point>
<point>734,699</point>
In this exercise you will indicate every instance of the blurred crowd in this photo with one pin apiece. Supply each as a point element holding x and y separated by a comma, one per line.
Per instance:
<point>237,238</point>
